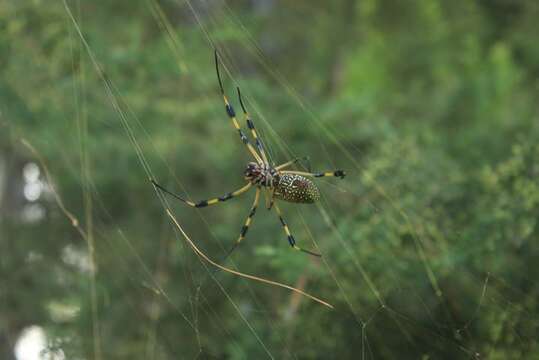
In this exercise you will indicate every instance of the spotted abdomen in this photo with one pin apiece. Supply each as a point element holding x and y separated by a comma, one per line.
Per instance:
<point>296,189</point>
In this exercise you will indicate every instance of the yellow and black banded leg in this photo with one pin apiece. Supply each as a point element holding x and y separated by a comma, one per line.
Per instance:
<point>204,203</point>
<point>268,195</point>
<point>292,162</point>
<point>245,226</point>
<point>251,126</point>
<point>232,115</point>
<point>337,173</point>
<point>291,239</point>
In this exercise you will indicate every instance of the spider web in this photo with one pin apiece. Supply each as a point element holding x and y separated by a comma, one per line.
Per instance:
<point>414,297</point>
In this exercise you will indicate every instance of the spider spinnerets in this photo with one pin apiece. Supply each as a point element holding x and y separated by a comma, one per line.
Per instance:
<point>276,182</point>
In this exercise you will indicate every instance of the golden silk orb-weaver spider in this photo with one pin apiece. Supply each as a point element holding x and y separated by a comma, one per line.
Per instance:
<point>276,182</point>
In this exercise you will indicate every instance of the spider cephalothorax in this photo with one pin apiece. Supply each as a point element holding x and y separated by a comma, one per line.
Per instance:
<point>261,174</point>
<point>275,181</point>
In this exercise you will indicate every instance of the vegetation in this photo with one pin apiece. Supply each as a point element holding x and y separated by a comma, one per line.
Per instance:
<point>429,245</point>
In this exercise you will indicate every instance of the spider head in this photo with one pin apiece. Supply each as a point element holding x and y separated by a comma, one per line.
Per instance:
<point>252,171</point>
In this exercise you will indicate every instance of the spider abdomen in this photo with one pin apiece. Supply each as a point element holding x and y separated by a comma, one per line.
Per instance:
<point>296,188</point>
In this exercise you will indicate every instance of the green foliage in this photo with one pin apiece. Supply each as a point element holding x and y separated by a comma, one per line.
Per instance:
<point>429,245</point>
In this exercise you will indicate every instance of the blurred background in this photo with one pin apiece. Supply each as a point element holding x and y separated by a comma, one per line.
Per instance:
<point>430,244</point>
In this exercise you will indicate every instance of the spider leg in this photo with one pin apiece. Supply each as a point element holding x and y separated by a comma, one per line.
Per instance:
<point>292,162</point>
<point>268,195</point>
<point>287,231</point>
<point>251,126</point>
<point>208,202</point>
<point>245,226</point>
<point>337,173</point>
<point>232,114</point>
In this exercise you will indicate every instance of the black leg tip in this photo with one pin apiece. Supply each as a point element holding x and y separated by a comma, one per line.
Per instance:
<point>340,174</point>
<point>311,253</point>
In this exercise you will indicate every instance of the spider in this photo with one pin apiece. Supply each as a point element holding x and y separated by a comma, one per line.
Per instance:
<point>276,182</point>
